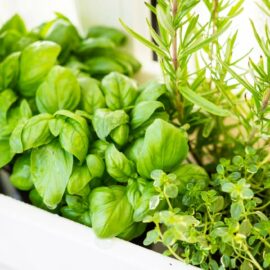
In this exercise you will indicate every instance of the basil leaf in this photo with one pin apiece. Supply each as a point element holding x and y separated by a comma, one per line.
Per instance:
<point>111,213</point>
<point>6,153</point>
<point>74,134</point>
<point>8,43</point>
<point>62,32</point>
<point>60,90</point>
<point>14,115</point>
<point>120,135</point>
<point>164,147</point>
<point>118,166</point>
<point>51,167</point>
<point>77,209</point>
<point>96,166</point>
<point>135,189</point>
<point>140,131</point>
<point>56,125</point>
<point>133,231</point>
<point>152,91</point>
<point>134,150</point>
<point>36,131</point>
<point>91,95</point>
<point>113,34</point>
<point>7,98</point>
<point>89,45</point>
<point>99,148</point>
<point>21,176</point>
<point>101,66</point>
<point>9,71</point>
<point>104,121</point>
<point>36,61</point>
<point>143,111</point>
<point>120,91</point>
<point>14,23</point>
<point>79,178</point>
<point>191,173</point>
<point>15,140</point>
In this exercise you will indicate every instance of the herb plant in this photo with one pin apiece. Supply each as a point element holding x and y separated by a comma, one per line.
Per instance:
<point>184,162</point>
<point>214,219</point>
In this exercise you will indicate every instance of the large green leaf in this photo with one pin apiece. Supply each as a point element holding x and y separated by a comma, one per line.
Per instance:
<point>112,34</point>
<point>111,213</point>
<point>151,91</point>
<point>89,45</point>
<point>164,147</point>
<point>191,173</point>
<point>14,115</point>
<point>59,91</point>
<point>118,166</point>
<point>105,120</point>
<point>120,135</point>
<point>9,71</point>
<point>96,166</point>
<point>36,61</point>
<point>143,111</point>
<point>51,167</point>
<point>74,134</point>
<point>120,91</point>
<point>14,23</point>
<point>101,66</point>
<point>21,176</point>
<point>36,131</point>
<point>91,95</point>
<point>79,178</point>
<point>6,154</point>
<point>7,98</point>
<point>62,32</point>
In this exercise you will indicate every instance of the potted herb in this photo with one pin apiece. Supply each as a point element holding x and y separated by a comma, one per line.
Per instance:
<point>186,162</point>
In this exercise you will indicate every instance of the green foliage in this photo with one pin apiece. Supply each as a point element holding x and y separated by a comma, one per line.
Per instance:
<point>59,91</point>
<point>226,221</point>
<point>116,216</point>
<point>51,183</point>
<point>36,61</point>
<point>21,176</point>
<point>189,155</point>
<point>164,147</point>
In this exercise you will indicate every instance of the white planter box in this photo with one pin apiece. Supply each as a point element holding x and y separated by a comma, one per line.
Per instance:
<point>33,239</point>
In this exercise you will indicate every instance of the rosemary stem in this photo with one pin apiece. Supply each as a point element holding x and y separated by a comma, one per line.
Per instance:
<point>178,98</point>
<point>265,101</point>
<point>174,42</point>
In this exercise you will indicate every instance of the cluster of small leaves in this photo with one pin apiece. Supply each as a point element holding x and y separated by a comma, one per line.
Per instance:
<point>228,227</point>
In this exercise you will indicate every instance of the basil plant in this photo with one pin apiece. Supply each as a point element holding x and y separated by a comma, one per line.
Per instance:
<point>78,133</point>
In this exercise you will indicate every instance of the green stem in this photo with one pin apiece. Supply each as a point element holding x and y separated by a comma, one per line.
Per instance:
<point>265,101</point>
<point>168,247</point>
<point>174,58</point>
<point>168,202</point>
<point>263,206</point>
<point>266,159</point>
<point>254,261</point>
<point>265,242</point>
